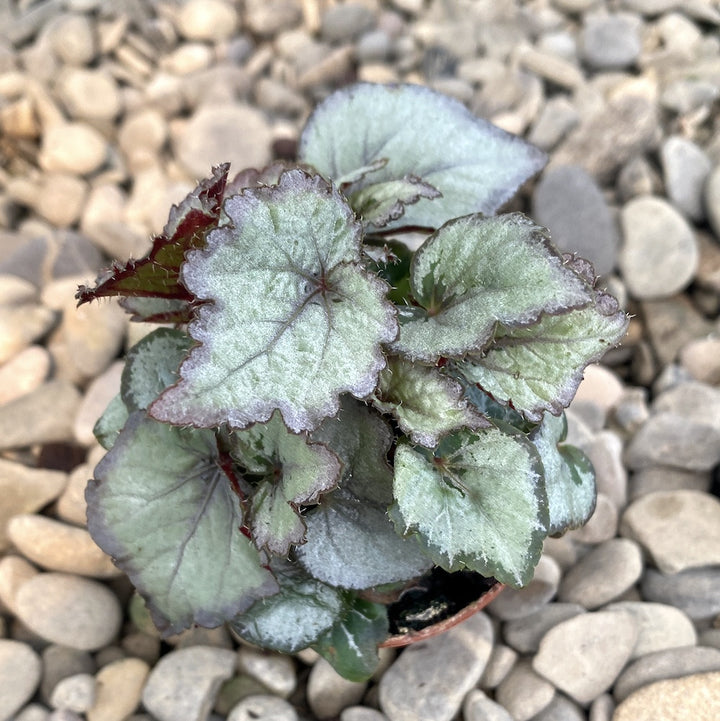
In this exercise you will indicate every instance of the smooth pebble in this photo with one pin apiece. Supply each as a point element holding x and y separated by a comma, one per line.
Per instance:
<point>696,592</point>
<point>119,689</point>
<point>263,708</point>
<point>686,168</point>
<point>74,693</point>
<point>20,670</point>
<point>328,693</point>
<point>523,692</point>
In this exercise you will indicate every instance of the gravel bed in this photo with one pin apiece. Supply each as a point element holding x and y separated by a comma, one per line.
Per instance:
<point>108,113</point>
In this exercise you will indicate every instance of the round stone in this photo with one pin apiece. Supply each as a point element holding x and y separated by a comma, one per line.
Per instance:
<point>701,357</point>
<point>213,136</point>
<point>89,94</point>
<point>610,42</point>
<point>69,610</point>
<point>119,689</point>
<point>602,525</point>
<point>523,692</point>
<point>74,693</point>
<point>263,708</point>
<point>20,670</point>
<point>584,655</point>
<point>207,20</point>
<point>328,693</point>
<point>73,148</point>
<point>525,634</point>
<point>712,200</point>
<point>275,672</point>
<point>603,575</point>
<point>72,37</point>
<point>479,707</point>
<point>61,198</point>
<point>686,168</point>
<point>660,254</point>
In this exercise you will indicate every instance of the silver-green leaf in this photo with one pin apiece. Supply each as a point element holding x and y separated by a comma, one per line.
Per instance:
<point>294,321</point>
<point>477,502</point>
<point>111,422</point>
<point>165,512</point>
<point>473,164</point>
<point>539,368</point>
<point>475,273</point>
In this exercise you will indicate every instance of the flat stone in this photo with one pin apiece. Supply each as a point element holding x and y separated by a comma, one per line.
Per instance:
<point>89,94</point>
<point>263,708</point>
<point>660,627</point>
<point>69,610</point>
<point>584,655</point>
<point>211,137</point>
<point>712,200</point>
<point>20,669</point>
<point>660,254</point>
<point>686,168</point>
<point>561,708</point>
<point>525,634</point>
<point>14,572</point>
<point>603,575</point>
<point>657,478</point>
<point>501,661</point>
<point>691,400</point>
<point>119,689</point>
<point>21,325</point>
<point>517,603</point>
<point>601,526</point>
<point>679,529</point>
<point>270,17</point>
<point>557,117</point>
<point>342,23</point>
<point>695,592</point>
<point>662,665</point>
<point>670,439</point>
<point>479,707</point>
<point>610,42</point>
<point>431,678</point>
<point>73,39</point>
<point>523,692</point>
<point>362,713</point>
<point>184,683</point>
<point>693,698</point>
<point>43,416</point>
<point>567,198</point>
<point>57,546</point>
<point>25,490</point>
<point>328,693</point>
<point>276,672</point>
<point>75,148</point>
<point>74,693</point>
<point>207,20</point>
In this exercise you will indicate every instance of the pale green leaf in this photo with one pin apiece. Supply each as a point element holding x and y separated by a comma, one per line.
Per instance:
<point>569,476</point>
<point>111,422</point>
<point>294,321</point>
<point>477,502</point>
<point>351,645</point>
<point>540,367</point>
<point>165,512</point>
<point>352,544</point>
<point>475,273</point>
<point>293,618</point>
<point>295,472</point>
<point>426,404</point>
<point>152,366</point>
<point>475,165</point>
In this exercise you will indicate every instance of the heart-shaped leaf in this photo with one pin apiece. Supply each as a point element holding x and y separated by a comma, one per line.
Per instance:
<point>476,272</point>
<point>539,368</point>
<point>426,404</point>
<point>294,472</point>
<point>477,502</point>
<point>164,510</point>
<point>473,164</point>
<point>569,476</point>
<point>287,273</point>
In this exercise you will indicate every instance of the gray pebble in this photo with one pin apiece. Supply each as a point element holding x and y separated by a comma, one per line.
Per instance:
<point>566,199</point>
<point>605,450</point>
<point>659,256</point>
<point>501,661</point>
<point>328,693</point>
<point>478,707</point>
<point>637,177</point>
<point>270,17</point>
<point>263,708</point>
<point>523,692</point>
<point>20,670</point>
<point>656,478</point>
<point>32,712</point>
<point>274,671</point>
<point>686,167</point>
<point>712,200</point>
<point>525,634</point>
<point>59,662</point>
<point>661,665</point>
<point>695,592</point>
<point>517,603</point>
<point>430,678</point>
<point>561,708</point>
<point>602,525</point>
<point>184,683</point>
<point>603,575</point>
<point>584,655</point>
<point>341,23</point>
<point>660,627</point>
<point>556,119</point>
<point>602,708</point>
<point>74,693</point>
<point>69,610</point>
<point>688,94</point>
<point>610,42</point>
<point>362,713</point>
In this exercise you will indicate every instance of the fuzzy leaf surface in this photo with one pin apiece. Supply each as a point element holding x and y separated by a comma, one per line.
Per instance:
<point>158,273</point>
<point>294,320</point>
<point>425,403</point>
<point>165,512</point>
<point>157,310</point>
<point>478,502</point>
<point>111,422</point>
<point>295,617</point>
<point>152,366</point>
<point>294,471</point>
<point>351,645</point>
<point>477,272</point>
<point>352,544</point>
<point>540,367</point>
<point>569,476</point>
<point>473,164</point>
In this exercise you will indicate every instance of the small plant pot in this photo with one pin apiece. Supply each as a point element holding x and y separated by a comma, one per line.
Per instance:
<point>439,601</point>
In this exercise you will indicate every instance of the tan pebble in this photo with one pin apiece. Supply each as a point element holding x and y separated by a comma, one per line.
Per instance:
<point>24,373</point>
<point>61,199</point>
<point>73,148</point>
<point>601,386</point>
<point>25,490</point>
<point>71,506</point>
<point>21,325</point>
<point>702,358</point>
<point>15,290</point>
<point>97,396</point>
<point>119,689</point>
<point>57,546</point>
<point>14,572</point>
